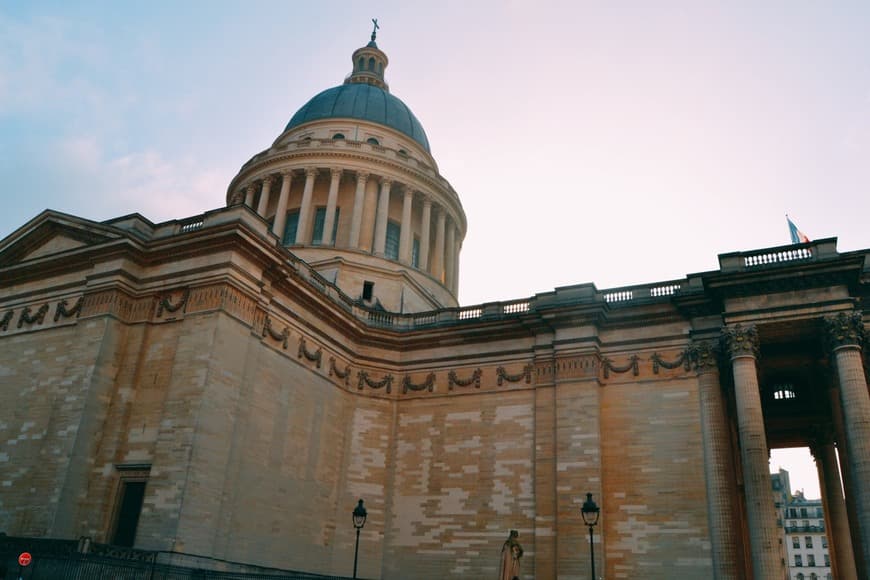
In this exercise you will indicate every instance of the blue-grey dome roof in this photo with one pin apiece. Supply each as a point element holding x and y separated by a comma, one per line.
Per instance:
<point>364,102</point>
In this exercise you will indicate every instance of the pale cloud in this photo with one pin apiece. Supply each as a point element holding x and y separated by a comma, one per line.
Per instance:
<point>35,57</point>
<point>146,182</point>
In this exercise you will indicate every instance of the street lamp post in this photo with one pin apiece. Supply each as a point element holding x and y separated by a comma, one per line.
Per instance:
<point>359,520</point>
<point>590,512</point>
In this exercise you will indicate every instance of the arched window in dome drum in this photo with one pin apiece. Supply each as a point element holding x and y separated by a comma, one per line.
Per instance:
<point>415,253</point>
<point>362,64</point>
<point>372,64</point>
<point>338,136</point>
<point>372,141</point>
<point>380,67</point>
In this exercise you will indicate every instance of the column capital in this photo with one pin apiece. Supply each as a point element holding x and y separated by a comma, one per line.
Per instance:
<point>250,187</point>
<point>363,175</point>
<point>336,172</point>
<point>386,182</point>
<point>268,179</point>
<point>845,329</point>
<point>311,172</point>
<point>427,199</point>
<point>818,436</point>
<point>740,340</point>
<point>704,355</point>
<point>286,173</point>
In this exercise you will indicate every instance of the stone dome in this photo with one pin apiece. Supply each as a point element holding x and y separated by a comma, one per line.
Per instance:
<point>366,102</point>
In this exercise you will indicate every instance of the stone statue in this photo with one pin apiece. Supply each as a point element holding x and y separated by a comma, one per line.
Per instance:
<point>511,553</point>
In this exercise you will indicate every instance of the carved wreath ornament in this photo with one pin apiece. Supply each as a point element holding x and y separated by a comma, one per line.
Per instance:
<point>166,305</point>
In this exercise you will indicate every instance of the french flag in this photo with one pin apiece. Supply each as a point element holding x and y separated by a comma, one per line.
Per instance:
<point>797,236</point>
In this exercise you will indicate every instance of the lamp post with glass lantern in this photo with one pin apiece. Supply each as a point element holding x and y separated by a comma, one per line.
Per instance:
<point>359,520</point>
<point>590,512</point>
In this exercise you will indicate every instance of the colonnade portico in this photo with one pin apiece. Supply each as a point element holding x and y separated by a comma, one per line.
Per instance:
<point>420,212</point>
<point>847,433</point>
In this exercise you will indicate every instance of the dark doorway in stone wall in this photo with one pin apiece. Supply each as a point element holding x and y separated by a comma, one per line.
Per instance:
<point>128,504</point>
<point>132,494</point>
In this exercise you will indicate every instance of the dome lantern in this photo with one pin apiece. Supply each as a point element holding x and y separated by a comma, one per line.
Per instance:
<point>369,63</point>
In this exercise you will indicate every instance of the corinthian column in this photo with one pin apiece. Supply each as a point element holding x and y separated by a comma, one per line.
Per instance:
<point>249,195</point>
<point>283,200</point>
<point>717,462</point>
<point>358,199</point>
<point>438,256</point>
<point>264,196</point>
<point>846,334</point>
<point>764,537</point>
<point>449,249</point>
<point>424,234</point>
<point>405,235</point>
<point>840,540</point>
<point>331,202</point>
<point>382,217</point>
<point>303,236</point>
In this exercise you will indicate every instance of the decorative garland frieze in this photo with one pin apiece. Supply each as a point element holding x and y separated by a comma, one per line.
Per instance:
<point>7,318</point>
<point>313,356</point>
<point>502,375</point>
<point>364,380</point>
<point>168,306</point>
<point>62,311</point>
<point>582,366</point>
<point>659,362</point>
<point>609,367</point>
<point>38,318</point>
<point>427,385</point>
<point>453,380</point>
<point>280,336</point>
<point>334,370</point>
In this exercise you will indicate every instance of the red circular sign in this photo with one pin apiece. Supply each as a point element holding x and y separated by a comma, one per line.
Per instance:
<point>24,559</point>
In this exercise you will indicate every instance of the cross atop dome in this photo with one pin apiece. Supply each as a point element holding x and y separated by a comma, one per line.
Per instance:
<point>369,63</point>
<point>374,33</point>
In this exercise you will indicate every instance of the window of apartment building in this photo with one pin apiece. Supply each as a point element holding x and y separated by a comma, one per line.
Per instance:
<point>799,576</point>
<point>129,495</point>
<point>824,541</point>
<point>806,524</point>
<point>819,513</point>
<point>811,560</point>
<point>808,541</point>
<point>795,542</point>
<point>827,561</point>
<point>792,513</point>
<point>803,512</point>
<point>798,561</point>
<point>813,576</point>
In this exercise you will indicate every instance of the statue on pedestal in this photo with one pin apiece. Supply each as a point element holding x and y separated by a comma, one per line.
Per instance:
<point>511,553</point>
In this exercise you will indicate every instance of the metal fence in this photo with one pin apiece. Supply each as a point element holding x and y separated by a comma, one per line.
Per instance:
<point>83,560</point>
